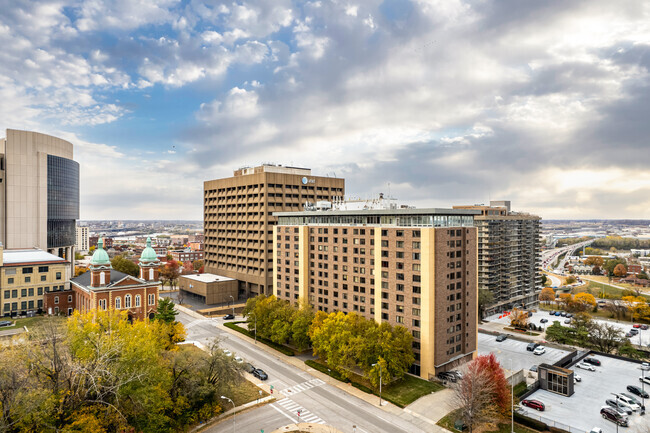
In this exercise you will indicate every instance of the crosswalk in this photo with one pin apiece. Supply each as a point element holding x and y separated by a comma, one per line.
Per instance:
<point>304,386</point>
<point>294,409</point>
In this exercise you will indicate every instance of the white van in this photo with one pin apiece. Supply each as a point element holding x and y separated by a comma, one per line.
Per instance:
<point>628,402</point>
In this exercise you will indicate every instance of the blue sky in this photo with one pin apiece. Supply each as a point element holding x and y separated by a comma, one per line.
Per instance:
<point>451,102</point>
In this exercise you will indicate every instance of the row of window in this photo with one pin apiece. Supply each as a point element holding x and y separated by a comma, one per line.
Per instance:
<point>24,305</point>
<point>11,280</point>
<point>29,291</point>
<point>127,302</point>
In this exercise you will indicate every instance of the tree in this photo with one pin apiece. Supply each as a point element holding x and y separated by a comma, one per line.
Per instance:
<point>170,273</point>
<point>547,295</point>
<point>124,265</point>
<point>166,312</point>
<point>594,261</point>
<point>642,275</point>
<point>565,300</point>
<point>544,280</point>
<point>519,319</point>
<point>485,299</point>
<point>571,279</point>
<point>483,395</point>
<point>197,264</point>
<point>583,301</point>
<point>188,267</point>
<point>620,270</point>
<point>596,270</point>
<point>605,337</point>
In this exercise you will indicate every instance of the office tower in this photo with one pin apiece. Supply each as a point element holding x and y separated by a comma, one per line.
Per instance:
<point>39,193</point>
<point>410,267</point>
<point>238,221</point>
<point>82,243</point>
<point>509,255</point>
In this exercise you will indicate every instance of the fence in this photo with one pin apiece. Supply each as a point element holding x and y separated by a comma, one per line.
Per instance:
<point>551,423</point>
<point>529,390</point>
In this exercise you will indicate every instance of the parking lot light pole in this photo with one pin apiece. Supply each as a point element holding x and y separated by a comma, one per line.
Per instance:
<point>233,306</point>
<point>642,390</point>
<point>512,400</point>
<point>379,383</point>
<point>234,413</point>
<point>616,395</point>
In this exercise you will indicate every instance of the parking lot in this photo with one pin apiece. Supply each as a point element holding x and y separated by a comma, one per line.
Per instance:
<point>642,339</point>
<point>581,411</point>
<point>512,354</point>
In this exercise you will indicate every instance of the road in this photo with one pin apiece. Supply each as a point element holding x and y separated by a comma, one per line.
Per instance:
<point>549,256</point>
<point>317,400</point>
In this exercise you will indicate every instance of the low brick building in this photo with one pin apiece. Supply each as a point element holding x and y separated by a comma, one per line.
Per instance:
<point>186,255</point>
<point>211,289</point>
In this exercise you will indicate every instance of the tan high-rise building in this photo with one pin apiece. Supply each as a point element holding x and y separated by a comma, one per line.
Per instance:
<point>238,219</point>
<point>509,256</point>
<point>410,267</point>
<point>39,193</point>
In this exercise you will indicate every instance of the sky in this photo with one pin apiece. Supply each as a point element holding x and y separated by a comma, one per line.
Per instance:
<point>440,102</point>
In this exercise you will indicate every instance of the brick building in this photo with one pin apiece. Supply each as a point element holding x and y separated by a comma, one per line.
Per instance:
<point>186,255</point>
<point>238,219</point>
<point>410,267</point>
<point>102,287</point>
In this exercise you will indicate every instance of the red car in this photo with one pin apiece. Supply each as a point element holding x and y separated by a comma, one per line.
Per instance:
<point>636,325</point>
<point>534,404</point>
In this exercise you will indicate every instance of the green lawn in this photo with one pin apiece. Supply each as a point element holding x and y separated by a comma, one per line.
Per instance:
<point>401,393</point>
<point>30,322</point>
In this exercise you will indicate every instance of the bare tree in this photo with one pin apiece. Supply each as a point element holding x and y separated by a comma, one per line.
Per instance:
<point>180,296</point>
<point>473,397</point>
<point>605,337</point>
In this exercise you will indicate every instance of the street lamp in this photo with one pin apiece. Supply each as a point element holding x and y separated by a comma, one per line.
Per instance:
<point>379,383</point>
<point>233,306</point>
<point>255,317</point>
<point>234,413</point>
<point>616,395</point>
<point>642,390</point>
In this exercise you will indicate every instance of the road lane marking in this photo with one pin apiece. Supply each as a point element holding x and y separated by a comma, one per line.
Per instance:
<point>280,411</point>
<point>293,407</point>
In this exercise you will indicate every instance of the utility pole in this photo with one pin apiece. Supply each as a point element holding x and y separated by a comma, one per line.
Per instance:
<point>234,413</point>
<point>379,383</point>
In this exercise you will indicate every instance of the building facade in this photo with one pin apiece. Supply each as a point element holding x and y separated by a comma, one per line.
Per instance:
<point>509,256</point>
<point>409,267</point>
<point>27,276</point>
<point>238,219</point>
<point>82,243</point>
<point>103,288</point>
<point>39,193</point>
<point>186,255</point>
<point>209,288</point>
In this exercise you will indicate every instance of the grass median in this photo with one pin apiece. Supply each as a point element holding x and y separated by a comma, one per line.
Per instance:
<point>400,393</point>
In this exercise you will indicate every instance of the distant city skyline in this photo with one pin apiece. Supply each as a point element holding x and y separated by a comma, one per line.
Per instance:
<point>442,103</point>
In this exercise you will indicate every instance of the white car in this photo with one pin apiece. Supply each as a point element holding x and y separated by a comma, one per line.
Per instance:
<point>238,360</point>
<point>539,350</point>
<point>227,352</point>
<point>645,366</point>
<point>645,379</point>
<point>586,366</point>
<point>628,402</point>
<point>577,377</point>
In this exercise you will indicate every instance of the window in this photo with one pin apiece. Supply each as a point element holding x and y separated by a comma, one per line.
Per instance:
<point>28,270</point>
<point>58,275</point>
<point>43,277</point>
<point>10,280</point>
<point>102,304</point>
<point>28,279</point>
<point>69,298</point>
<point>152,299</point>
<point>56,299</point>
<point>127,301</point>
<point>7,294</point>
<point>118,303</point>
<point>137,300</point>
<point>43,268</point>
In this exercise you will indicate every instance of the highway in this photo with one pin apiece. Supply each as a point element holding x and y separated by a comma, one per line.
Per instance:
<point>317,400</point>
<point>549,256</point>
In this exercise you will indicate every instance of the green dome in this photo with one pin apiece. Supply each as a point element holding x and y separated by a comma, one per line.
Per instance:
<point>100,257</point>
<point>148,254</point>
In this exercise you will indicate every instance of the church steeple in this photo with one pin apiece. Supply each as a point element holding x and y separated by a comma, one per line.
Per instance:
<point>149,263</point>
<point>100,266</point>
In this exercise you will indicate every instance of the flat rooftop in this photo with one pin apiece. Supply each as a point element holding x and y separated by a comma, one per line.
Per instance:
<point>34,255</point>
<point>207,278</point>
<point>379,212</point>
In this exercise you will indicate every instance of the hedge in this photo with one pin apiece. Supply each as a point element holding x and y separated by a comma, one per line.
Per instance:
<point>273,345</point>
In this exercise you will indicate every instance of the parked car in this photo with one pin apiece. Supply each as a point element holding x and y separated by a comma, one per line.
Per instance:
<point>551,313</point>
<point>5,323</point>
<point>577,377</point>
<point>563,314</point>
<point>645,379</point>
<point>636,325</point>
<point>248,367</point>
<point>539,350</point>
<point>457,373</point>
<point>533,368</point>
<point>633,399</point>
<point>645,366</point>
<point>569,315</point>
<point>628,402</point>
<point>238,360</point>
<point>637,390</point>
<point>585,366</point>
<point>228,317</point>
<point>543,320</point>
<point>629,335</point>
<point>534,404</point>
<point>260,374</point>
<point>596,430</point>
<point>567,321</point>
<point>592,361</point>
<point>634,331</point>
<point>557,313</point>
<point>613,415</point>
<point>227,352</point>
<point>445,375</point>
<point>618,406</point>
<point>502,337</point>
<point>644,327</point>
<point>532,346</point>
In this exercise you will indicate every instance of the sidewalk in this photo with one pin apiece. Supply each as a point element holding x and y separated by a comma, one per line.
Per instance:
<point>238,409</point>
